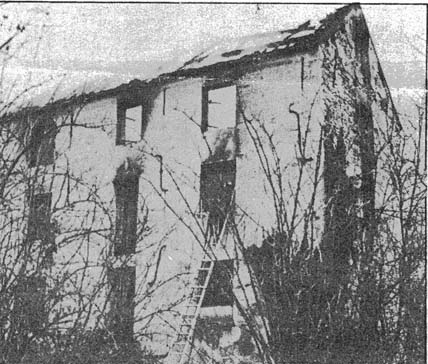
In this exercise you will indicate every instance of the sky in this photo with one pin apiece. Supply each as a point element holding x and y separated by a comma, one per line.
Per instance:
<point>135,39</point>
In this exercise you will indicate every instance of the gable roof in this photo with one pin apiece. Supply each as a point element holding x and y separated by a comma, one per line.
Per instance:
<point>255,44</point>
<point>86,87</point>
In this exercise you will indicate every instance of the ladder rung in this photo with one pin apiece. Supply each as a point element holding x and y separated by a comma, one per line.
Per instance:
<point>190,315</point>
<point>179,343</point>
<point>195,294</point>
<point>187,316</point>
<point>191,310</point>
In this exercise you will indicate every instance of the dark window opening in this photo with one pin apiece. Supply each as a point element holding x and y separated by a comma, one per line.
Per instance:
<point>131,118</point>
<point>30,304</point>
<point>133,113</point>
<point>217,194</point>
<point>41,146</point>
<point>218,107</point>
<point>126,190</point>
<point>130,124</point>
<point>219,289</point>
<point>39,227</point>
<point>122,282</point>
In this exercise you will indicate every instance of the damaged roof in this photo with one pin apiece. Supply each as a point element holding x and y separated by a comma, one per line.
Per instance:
<point>89,86</point>
<point>255,44</point>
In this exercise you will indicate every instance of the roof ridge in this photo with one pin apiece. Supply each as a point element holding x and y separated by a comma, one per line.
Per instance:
<point>233,50</point>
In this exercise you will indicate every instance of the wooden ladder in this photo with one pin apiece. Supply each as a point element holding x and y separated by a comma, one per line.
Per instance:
<point>181,349</point>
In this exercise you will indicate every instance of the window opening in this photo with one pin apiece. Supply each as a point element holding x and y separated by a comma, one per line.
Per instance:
<point>122,280</point>
<point>41,147</point>
<point>217,192</point>
<point>218,107</point>
<point>219,289</point>
<point>30,303</point>
<point>133,124</point>
<point>126,190</point>
<point>129,124</point>
<point>39,217</point>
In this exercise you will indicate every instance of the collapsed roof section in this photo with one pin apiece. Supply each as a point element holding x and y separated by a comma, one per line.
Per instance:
<point>251,45</point>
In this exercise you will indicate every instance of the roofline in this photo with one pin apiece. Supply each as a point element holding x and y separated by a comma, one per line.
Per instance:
<point>232,68</point>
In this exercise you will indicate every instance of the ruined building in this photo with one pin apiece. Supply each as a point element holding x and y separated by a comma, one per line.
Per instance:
<point>153,191</point>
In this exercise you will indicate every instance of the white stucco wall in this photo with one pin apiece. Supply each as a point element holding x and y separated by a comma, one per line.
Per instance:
<point>92,159</point>
<point>264,94</point>
<point>266,97</point>
<point>88,159</point>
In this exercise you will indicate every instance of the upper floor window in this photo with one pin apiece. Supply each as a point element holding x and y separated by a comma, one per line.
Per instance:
<point>39,216</point>
<point>129,124</point>
<point>126,190</point>
<point>218,107</point>
<point>41,144</point>
<point>217,192</point>
<point>133,112</point>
